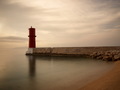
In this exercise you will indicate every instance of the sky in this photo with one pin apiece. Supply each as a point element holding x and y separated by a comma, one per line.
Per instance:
<point>60,23</point>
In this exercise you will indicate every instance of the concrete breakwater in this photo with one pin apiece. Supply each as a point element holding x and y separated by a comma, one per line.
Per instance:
<point>104,53</point>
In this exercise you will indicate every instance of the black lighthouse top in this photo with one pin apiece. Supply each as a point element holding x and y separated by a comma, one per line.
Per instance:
<point>31,28</point>
<point>32,32</point>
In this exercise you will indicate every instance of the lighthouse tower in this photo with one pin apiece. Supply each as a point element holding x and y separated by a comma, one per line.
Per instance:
<point>32,36</point>
<point>32,41</point>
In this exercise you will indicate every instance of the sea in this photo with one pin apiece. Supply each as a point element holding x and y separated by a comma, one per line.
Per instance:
<point>21,72</point>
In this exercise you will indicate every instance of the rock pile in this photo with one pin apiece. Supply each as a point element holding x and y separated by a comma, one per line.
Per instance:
<point>112,55</point>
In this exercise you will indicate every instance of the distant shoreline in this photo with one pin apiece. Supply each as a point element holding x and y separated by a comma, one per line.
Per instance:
<point>109,81</point>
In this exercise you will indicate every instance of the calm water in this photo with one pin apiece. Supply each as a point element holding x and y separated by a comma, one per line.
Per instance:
<point>21,72</point>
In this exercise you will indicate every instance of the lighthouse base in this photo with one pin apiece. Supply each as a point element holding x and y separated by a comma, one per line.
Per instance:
<point>29,51</point>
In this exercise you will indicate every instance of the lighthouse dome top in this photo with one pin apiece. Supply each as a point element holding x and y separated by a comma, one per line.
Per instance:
<point>31,28</point>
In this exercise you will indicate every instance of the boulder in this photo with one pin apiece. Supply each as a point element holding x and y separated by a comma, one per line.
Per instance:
<point>116,57</point>
<point>99,57</point>
<point>108,58</point>
<point>108,53</point>
<point>94,55</point>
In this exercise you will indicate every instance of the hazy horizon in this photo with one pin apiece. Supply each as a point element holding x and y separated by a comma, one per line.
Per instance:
<point>60,23</point>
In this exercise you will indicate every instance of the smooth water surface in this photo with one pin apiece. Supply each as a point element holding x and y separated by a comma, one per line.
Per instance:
<point>21,72</point>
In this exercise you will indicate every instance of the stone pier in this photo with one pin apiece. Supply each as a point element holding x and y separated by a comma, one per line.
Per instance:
<point>104,53</point>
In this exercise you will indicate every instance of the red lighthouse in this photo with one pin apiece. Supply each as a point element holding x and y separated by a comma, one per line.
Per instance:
<point>32,42</point>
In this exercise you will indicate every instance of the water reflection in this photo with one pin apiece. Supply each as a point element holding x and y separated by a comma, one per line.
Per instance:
<point>32,65</point>
<point>20,72</point>
<point>68,70</point>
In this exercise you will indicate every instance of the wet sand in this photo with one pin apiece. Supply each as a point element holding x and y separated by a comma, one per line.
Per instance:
<point>109,81</point>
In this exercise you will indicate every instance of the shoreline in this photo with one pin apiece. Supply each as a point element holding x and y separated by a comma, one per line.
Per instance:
<point>109,81</point>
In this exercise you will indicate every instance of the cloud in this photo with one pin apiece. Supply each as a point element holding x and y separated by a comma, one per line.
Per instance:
<point>13,39</point>
<point>13,42</point>
<point>61,22</point>
<point>15,17</point>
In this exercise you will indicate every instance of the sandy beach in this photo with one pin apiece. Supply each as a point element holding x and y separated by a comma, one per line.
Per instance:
<point>109,81</point>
